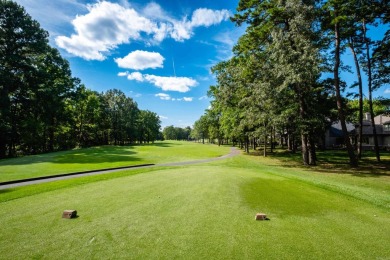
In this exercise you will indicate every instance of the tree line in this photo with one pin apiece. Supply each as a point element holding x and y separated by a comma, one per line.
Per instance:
<point>44,109</point>
<point>284,78</point>
<point>177,133</point>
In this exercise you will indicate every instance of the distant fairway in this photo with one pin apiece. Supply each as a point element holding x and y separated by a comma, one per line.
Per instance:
<point>105,157</point>
<point>203,211</point>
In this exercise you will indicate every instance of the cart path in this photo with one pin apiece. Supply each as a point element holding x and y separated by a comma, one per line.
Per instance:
<point>7,185</point>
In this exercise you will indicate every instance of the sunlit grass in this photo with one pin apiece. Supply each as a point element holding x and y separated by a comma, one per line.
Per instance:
<point>105,157</point>
<point>201,211</point>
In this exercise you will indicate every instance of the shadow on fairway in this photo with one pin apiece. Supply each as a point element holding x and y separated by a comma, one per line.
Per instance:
<point>97,157</point>
<point>93,155</point>
<point>6,191</point>
<point>332,161</point>
<point>164,144</point>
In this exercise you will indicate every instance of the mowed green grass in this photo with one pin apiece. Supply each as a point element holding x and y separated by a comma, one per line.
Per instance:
<point>204,211</point>
<point>105,157</point>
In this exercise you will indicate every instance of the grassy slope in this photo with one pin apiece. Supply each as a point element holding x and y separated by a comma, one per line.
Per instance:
<point>104,157</point>
<point>201,211</point>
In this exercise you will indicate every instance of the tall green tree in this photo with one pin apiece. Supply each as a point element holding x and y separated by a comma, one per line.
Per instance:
<point>354,19</point>
<point>200,130</point>
<point>149,125</point>
<point>22,42</point>
<point>170,133</point>
<point>281,34</point>
<point>89,117</point>
<point>55,87</point>
<point>335,15</point>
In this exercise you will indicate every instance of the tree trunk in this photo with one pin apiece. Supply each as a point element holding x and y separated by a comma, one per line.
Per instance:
<point>272,140</point>
<point>360,138</point>
<point>352,159</point>
<point>312,151</point>
<point>247,144</point>
<point>304,140</point>
<point>52,128</point>
<point>4,120</point>
<point>3,146</point>
<point>294,145</point>
<point>282,139</point>
<point>305,150</point>
<point>13,133</point>
<point>378,158</point>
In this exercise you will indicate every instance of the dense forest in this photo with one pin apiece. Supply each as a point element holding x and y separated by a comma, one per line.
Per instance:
<point>43,108</point>
<point>284,78</point>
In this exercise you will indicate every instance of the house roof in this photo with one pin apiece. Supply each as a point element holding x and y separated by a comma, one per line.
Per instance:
<point>335,132</point>
<point>382,119</point>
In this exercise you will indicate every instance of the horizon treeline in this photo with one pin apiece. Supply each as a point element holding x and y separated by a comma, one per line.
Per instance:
<point>44,109</point>
<point>284,78</point>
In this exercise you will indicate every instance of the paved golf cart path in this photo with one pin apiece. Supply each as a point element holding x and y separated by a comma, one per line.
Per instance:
<point>12,184</point>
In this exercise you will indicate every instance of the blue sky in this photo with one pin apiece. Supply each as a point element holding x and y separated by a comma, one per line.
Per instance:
<point>157,52</point>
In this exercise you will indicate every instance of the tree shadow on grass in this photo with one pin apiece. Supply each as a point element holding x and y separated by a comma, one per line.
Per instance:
<point>333,161</point>
<point>338,162</point>
<point>164,144</point>
<point>95,158</point>
<point>284,158</point>
<point>95,155</point>
<point>6,191</point>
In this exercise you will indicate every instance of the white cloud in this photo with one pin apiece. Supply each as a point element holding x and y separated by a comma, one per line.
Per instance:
<point>103,28</point>
<point>180,84</point>
<point>135,76</point>
<point>387,91</point>
<point>203,97</point>
<point>140,60</point>
<point>123,74</point>
<point>107,25</point>
<point>162,117</point>
<point>154,11</point>
<point>183,30</point>
<point>163,96</point>
<point>206,17</point>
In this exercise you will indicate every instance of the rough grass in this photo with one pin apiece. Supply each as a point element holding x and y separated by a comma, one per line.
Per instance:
<point>201,211</point>
<point>105,157</point>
